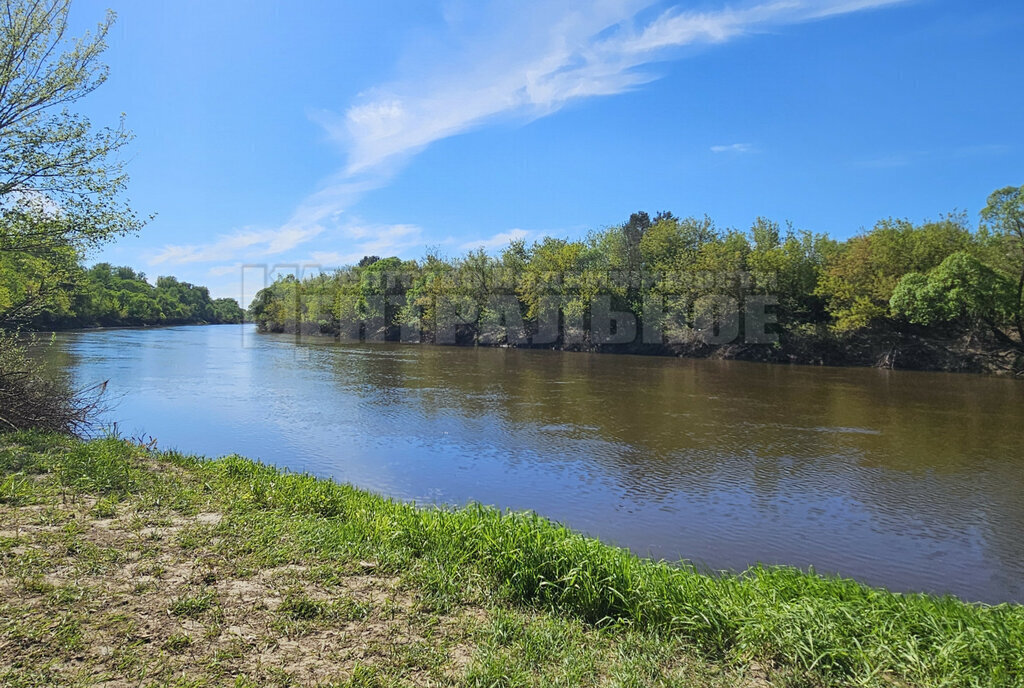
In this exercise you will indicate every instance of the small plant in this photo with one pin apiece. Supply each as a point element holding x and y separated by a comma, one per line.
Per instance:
<point>178,643</point>
<point>365,676</point>
<point>205,575</point>
<point>37,585</point>
<point>195,606</point>
<point>105,508</point>
<point>67,632</point>
<point>213,631</point>
<point>67,595</point>
<point>301,607</point>
<point>15,490</point>
<point>142,587</point>
<point>154,569</point>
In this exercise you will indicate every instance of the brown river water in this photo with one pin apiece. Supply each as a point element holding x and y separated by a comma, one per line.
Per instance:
<point>913,481</point>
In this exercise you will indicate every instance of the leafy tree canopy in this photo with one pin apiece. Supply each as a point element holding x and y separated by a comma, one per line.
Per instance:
<point>61,183</point>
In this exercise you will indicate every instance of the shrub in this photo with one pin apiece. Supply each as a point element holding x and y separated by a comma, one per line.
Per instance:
<point>29,400</point>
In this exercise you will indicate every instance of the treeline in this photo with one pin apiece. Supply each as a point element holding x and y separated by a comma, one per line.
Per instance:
<point>108,296</point>
<point>672,285</point>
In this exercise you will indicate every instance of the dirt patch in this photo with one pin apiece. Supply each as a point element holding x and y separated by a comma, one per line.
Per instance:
<point>131,601</point>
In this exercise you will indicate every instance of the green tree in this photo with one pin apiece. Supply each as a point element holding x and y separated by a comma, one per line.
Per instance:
<point>558,275</point>
<point>961,290</point>
<point>61,184</point>
<point>227,311</point>
<point>1004,216</point>
<point>859,280</point>
<point>788,267</point>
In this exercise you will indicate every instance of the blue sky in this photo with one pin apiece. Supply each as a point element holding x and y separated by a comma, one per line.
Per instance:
<point>318,132</point>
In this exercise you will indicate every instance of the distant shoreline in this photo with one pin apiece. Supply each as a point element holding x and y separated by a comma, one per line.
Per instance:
<point>911,350</point>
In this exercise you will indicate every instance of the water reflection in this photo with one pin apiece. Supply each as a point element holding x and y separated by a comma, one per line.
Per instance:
<point>911,480</point>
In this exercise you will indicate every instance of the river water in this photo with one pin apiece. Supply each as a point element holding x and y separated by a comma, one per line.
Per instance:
<point>913,481</point>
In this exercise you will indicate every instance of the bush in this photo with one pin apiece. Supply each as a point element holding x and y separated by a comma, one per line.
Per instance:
<point>29,400</point>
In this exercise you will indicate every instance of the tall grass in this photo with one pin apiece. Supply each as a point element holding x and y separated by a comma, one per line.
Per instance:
<point>835,630</point>
<point>831,631</point>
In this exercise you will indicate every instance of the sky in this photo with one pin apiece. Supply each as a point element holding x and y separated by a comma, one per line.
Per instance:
<point>317,132</point>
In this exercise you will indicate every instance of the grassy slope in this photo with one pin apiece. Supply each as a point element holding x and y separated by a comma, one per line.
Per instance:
<point>133,567</point>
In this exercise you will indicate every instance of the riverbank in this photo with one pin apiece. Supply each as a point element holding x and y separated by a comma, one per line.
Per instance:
<point>911,348</point>
<point>121,562</point>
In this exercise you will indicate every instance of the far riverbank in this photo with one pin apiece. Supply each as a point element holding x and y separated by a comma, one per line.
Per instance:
<point>907,349</point>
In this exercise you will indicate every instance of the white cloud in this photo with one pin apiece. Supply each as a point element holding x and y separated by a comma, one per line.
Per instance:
<point>981,150</point>
<point>309,221</point>
<point>495,60</point>
<point>247,244</point>
<point>499,240</point>
<point>733,148</point>
<point>329,258</point>
<point>254,246</point>
<point>532,63</point>
<point>381,240</point>
<point>362,240</point>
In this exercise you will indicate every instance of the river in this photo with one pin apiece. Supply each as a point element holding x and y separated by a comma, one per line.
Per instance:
<point>913,481</point>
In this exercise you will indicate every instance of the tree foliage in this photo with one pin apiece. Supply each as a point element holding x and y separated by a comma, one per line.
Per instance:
<point>61,182</point>
<point>858,282</point>
<point>1003,216</point>
<point>944,274</point>
<point>961,289</point>
<point>109,296</point>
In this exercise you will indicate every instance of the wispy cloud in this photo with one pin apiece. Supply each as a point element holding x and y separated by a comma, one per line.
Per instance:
<point>310,220</point>
<point>982,150</point>
<point>499,240</point>
<point>380,240</point>
<point>250,243</point>
<point>496,60</point>
<point>533,63</point>
<point>359,241</point>
<point>733,148</point>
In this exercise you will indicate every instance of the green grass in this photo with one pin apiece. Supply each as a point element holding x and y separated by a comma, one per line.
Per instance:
<point>193,606</point>
<point>561,609</point>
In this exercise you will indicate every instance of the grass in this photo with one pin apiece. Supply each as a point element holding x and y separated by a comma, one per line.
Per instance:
<point>193,606</point>
<point>120,562</point>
